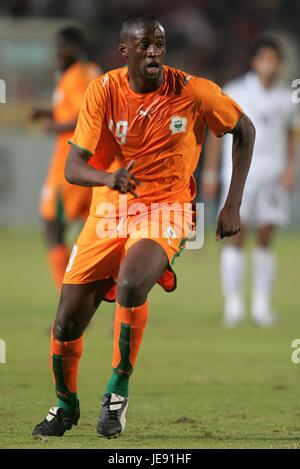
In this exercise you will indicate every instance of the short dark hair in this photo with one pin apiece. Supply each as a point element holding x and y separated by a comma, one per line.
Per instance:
<point>135,21</point>
<point>266,42</point>
<point>74,36</point>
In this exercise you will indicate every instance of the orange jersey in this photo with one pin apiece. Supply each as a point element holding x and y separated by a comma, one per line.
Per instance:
<point>59,198</point>
<point>162,131</point>
<point>67,99</point>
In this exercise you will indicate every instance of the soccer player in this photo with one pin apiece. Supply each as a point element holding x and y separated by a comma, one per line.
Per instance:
<point>148,119</point>
<point>272,174</point>
<point>62,202</point>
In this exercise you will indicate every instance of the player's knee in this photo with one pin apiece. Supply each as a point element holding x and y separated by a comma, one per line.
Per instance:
<point>69,323</point>
<point>264,237</point>
<point>66,329</point>
<point>131,291</point>
<point>264,243</point>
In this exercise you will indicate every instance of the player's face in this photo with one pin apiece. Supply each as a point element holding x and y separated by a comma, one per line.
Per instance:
<point>66,54</point>
<point>145,52</point>
<point>267,64</point>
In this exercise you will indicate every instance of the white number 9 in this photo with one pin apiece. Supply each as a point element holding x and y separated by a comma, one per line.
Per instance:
<point>121,131</point>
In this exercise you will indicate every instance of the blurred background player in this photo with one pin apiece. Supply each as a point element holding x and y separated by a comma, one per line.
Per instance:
<point>272,174</point>
<point>60,201</point>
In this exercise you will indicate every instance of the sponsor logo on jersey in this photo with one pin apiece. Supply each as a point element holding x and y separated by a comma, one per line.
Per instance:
<point>105,80</point>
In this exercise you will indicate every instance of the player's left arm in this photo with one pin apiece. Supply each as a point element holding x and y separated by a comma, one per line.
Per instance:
<point>288,178</point>
<point>242,148</point>
<point>223,115</point>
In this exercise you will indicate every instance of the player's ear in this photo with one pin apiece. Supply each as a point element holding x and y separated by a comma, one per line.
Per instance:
<point>123,49</point>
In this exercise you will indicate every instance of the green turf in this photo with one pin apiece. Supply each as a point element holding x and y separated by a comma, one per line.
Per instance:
<point>196,385</point>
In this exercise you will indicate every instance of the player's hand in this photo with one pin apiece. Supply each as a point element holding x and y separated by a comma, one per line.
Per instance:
<point>38,113</point>
<point>288,178</point>
<point>229,222</point>
<point>123,181</point>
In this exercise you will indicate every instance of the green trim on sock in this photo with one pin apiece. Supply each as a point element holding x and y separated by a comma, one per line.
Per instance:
<point>124,345</point>
<point>119,381</point>
<point>65,399</point>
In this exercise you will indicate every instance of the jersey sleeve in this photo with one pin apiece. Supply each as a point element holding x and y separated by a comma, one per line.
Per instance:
<point>220,112</point>
<point>91,116</point>
<point>78,85</point>
<point>76,94</point>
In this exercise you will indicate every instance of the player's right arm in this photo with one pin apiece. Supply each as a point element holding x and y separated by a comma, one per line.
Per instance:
<point>79,172</point>
<point>85,141</point>
<point>50,125</point>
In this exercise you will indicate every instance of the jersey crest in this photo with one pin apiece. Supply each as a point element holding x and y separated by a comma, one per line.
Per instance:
<point>178,124</point>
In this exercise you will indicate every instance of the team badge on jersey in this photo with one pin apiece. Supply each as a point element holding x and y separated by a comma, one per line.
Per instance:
<point>178,124</point>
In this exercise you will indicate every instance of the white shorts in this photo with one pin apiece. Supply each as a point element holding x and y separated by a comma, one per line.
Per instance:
<point>263,204</point>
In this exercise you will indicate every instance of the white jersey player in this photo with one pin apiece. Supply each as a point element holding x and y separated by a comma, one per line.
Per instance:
<point>271,175</point>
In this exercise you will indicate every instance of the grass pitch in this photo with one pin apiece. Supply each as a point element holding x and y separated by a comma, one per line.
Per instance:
<point>196,385</point>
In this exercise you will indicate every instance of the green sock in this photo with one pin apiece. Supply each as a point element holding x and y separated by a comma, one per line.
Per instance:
<point>119,381</point>
<point>65,399</point>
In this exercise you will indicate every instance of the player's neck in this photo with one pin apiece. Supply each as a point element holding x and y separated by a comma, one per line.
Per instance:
<point>266,83</point>
<point>68,65</point>
<point>138,85</point>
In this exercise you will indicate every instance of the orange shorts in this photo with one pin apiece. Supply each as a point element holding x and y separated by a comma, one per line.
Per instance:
<point>95,257</point>
<point>63,201</point>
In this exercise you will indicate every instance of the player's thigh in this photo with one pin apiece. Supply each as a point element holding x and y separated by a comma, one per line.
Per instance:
<point>50,198</point>
<point>77,305</point>
<point>142,266</point>
<point>272,206</point>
